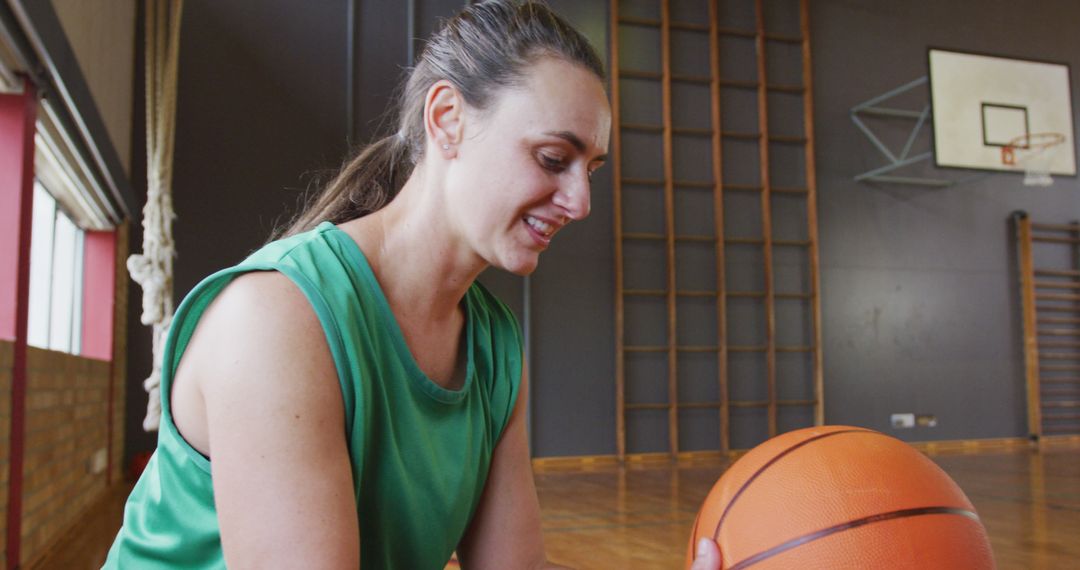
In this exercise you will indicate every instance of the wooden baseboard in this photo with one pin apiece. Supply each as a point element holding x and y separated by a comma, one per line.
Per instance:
<point>1054,440</point>
<point>971,445</point>
<point>587,462</point>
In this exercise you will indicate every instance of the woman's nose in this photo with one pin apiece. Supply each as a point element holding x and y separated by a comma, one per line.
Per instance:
<point>575,198</point>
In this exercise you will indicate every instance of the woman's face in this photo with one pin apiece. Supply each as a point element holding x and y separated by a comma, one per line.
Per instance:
<point>522,167</point>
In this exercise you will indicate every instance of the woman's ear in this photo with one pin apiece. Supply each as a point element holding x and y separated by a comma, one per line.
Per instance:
<point>444,116</point>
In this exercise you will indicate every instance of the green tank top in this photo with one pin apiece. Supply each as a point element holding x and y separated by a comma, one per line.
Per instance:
<point>420,453</point>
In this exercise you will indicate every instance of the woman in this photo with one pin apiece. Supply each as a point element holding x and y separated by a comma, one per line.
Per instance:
<point>360,397</point>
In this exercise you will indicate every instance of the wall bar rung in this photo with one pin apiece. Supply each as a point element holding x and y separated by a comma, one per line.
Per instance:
<point>639,74</point>
<point>1057,332</point>
<point>697,239</point>
<point>643,181</point>
<point>786,39</point>
<point>1060,417</point>
<point>744,241</point>
<point>1053,297</point>
<point>692,132</point>
<point>645,292</point>
<point>694,79</point>
<point>1059,429</point>
<point>1068,380</point>
<point>692,293</point>
<point>728,187</point>
<point>746,294</point>
<point>1054,309</point>
<point>1057,321</point>
<point>1066,392</point>
<point>1051,239</point>
<point>1056,273</point>
<point>1059,345</point>
<point>648,406</point>
<point>755,34</point>
<point>741,135</point>
<point>749,84</point>
<point>794,89</point>
<point>700,405</point>
<point>1056,285</point>
<point>644,348</point>
<point>693,184</point>
<point>651,23</point>
<point>1056,227</point>
<point>1058,356</point>
<point>642,127</point>
<point>643,236</point>
<point>697,348</point>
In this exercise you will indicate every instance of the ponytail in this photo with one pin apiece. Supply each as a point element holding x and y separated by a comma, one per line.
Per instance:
<point>365,183</point>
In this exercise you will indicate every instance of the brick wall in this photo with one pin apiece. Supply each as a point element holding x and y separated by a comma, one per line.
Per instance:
<point>66,410</point>
<point>7,350</point>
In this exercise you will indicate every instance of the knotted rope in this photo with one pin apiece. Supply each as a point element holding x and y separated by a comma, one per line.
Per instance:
<point>153,268</point>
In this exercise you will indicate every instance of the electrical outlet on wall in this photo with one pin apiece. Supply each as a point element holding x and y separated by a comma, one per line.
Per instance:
<point>926,420</point>
<point>902,421</point>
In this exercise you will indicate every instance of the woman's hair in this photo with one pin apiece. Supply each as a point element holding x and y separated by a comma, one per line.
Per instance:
<point>486,47</point>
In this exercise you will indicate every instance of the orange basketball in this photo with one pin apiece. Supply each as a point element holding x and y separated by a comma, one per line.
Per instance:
<point>840,497</point>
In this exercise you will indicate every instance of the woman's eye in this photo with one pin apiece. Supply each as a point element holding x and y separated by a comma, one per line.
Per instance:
<point>551,163</point>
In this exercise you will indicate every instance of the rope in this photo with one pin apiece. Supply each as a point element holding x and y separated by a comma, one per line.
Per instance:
<point>153,268</point>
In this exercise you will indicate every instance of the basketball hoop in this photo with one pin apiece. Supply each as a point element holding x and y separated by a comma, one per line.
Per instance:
<point>1035,154</point>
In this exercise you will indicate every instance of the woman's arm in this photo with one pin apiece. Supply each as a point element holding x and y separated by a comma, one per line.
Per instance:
<point>282,478</point>
<point>505,531</point>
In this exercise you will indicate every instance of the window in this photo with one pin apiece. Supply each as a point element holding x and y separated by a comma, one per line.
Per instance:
<point>56,277</point>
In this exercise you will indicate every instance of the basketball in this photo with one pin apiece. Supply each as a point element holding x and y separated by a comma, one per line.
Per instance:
<point>840,497</point>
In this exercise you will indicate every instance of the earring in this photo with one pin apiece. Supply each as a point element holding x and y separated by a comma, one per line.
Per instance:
<point>446,147</point>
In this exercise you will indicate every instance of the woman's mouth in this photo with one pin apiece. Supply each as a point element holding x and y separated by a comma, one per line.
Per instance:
<point>543,228</point>
<point>540,230</point>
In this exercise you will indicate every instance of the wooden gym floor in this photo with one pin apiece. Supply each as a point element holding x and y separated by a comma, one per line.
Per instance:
<point>640,516</point>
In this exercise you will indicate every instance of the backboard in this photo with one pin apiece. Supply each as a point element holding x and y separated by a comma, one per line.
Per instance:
<point>982,104</point>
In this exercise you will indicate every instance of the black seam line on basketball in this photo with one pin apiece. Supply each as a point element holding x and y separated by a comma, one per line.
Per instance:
<point>735,497</point>
<point>880,517</point>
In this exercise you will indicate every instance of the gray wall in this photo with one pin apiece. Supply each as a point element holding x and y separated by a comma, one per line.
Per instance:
<point>920,310</point>
<point>260,114</point>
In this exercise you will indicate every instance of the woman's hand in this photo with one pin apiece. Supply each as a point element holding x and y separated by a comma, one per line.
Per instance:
<point>708,556</point>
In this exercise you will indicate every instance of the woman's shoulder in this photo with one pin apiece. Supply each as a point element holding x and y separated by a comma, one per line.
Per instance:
<point>260,309</point>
